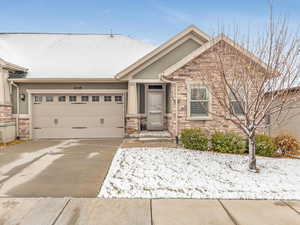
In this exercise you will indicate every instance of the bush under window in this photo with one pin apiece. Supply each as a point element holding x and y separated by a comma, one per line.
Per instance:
<point>194,139</point>
<point>228,143</point>
<point>265,145</point>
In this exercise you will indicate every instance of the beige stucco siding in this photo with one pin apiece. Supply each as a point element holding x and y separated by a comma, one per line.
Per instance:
<point>172,57</point>
<point>51,86</point>
<point>288,121</point>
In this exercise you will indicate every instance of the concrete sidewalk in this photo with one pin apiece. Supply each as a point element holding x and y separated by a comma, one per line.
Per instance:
<point>96,211</point>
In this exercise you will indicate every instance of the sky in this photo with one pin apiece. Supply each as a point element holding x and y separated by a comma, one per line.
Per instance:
<point>153,21</point>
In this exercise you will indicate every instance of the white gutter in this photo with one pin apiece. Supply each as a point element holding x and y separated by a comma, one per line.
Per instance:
<point>18,106</point>
<point>176,102</point>
<point>65,80</point>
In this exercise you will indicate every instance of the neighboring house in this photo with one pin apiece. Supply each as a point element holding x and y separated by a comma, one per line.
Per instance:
<point>93,86</point>
<point>288,120</point>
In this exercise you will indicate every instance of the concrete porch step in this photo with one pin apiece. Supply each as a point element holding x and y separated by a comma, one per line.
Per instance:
<point>151,134</point>
<point>155,139</point>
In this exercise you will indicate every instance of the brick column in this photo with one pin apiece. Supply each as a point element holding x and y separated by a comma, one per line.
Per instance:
<point>7,123</point>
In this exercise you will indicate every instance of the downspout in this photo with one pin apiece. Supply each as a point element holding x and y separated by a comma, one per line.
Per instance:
<point>18,106</point>
<point>176,104</point>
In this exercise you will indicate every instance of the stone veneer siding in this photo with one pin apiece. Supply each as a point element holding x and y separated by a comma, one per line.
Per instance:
<point>205,63</point>
<point>24,127</point>
<point>132,124</point>
<point>6,113</point>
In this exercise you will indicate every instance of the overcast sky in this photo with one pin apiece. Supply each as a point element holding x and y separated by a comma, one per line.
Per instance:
<point>153,21</point>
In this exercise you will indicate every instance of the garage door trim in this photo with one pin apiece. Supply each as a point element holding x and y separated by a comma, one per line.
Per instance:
<point>31,92</point>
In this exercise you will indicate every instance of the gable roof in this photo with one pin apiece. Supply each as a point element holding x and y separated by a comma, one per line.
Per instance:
<point>207,46</point>
<point>71,55</point>
<point>190,29</point>
<point>11,67</point>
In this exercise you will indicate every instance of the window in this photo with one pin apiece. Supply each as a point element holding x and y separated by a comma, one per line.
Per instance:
<point>72,98</point>
<point>198,105</point>
<point>61,98</point>
<point>96,98</point>
<point>107,98</point>
<point>118,98</point>
<point>236,100</point>
<point>155,87</point>
<point>49,98</point>
<point>84,98</point>
<point>38,98</point>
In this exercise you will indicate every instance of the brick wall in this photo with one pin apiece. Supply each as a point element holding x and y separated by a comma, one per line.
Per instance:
<point>132,125</point>
<point>24,127</point>
<point>193,71</point>
<point>6,113</point>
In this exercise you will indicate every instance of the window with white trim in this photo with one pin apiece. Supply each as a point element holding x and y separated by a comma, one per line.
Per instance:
<point>61,98</point>
<point>72,98</point>
<point>84,98</point>
<point>95,98</point>
<point>236,101</point>
<point>198,101</point>
<point>38,98</point>
<point>49,98</point>
<point>118,98</point>
<point>107,98</point>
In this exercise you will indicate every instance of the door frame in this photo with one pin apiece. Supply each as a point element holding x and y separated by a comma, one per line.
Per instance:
<point>163,91</point>
<point>31,92</point>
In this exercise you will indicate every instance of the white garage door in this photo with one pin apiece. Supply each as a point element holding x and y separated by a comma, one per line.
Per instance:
<point>77,116</point>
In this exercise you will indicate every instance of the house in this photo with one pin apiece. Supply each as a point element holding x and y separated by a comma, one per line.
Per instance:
<point>286,121</point>
<point>94,86</point>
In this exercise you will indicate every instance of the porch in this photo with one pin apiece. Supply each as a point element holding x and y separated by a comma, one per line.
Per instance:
<point>147,108</point>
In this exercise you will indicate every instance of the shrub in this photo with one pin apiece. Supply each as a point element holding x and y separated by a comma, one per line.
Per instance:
<point>194,139</point>
<point>265,145</point>
<point>286,144</point>
<point>228,143</point>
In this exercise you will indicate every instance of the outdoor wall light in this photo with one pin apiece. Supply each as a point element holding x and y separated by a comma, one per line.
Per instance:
<point>22,97</point>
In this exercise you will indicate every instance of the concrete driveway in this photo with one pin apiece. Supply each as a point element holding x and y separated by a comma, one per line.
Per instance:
<point>55,168</point>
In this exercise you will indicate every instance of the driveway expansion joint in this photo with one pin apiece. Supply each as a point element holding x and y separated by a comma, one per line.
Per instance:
<point>228,213</point>
<point>291,207</point>
<point>61,212</point>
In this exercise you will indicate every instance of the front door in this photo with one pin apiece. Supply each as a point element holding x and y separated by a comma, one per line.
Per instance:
<point>155,110</point>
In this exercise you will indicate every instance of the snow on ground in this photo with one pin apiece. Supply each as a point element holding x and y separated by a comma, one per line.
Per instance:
<point>92,154</point>
<point>160,134</point>
<point>179,173</point>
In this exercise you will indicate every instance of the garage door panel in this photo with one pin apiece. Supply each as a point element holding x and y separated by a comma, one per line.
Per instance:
<point>67,120</point>
<point>76,109</point>
<point>71,121</point>
<point>78,133</point>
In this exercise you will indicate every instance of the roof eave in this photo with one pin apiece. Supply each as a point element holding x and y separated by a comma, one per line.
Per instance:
<point>189,29</point>
<point>65,80</point>
<point>12,67</point>
<point>207,46</point>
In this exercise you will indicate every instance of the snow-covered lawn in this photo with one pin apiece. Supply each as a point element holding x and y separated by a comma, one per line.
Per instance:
<point>179,173</point>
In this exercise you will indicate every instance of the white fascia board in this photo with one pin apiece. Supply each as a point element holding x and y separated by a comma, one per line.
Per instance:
<point>65,80</point>
<point>76,91</point>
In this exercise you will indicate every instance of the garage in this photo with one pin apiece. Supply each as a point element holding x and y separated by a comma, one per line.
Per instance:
<point>77,115</point>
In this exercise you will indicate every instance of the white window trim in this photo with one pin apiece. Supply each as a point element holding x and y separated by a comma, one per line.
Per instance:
<point>189,117</point>
<point>233,114</point>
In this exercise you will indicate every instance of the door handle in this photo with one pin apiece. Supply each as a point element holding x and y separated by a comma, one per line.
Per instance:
<point>79,127</point>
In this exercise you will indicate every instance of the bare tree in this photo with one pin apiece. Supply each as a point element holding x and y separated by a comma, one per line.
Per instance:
<point>250,71</point>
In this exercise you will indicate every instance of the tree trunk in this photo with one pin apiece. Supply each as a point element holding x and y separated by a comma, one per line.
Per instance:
<point>252,149</point>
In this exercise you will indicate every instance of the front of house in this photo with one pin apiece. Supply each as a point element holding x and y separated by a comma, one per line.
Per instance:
<point>96,86</point>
